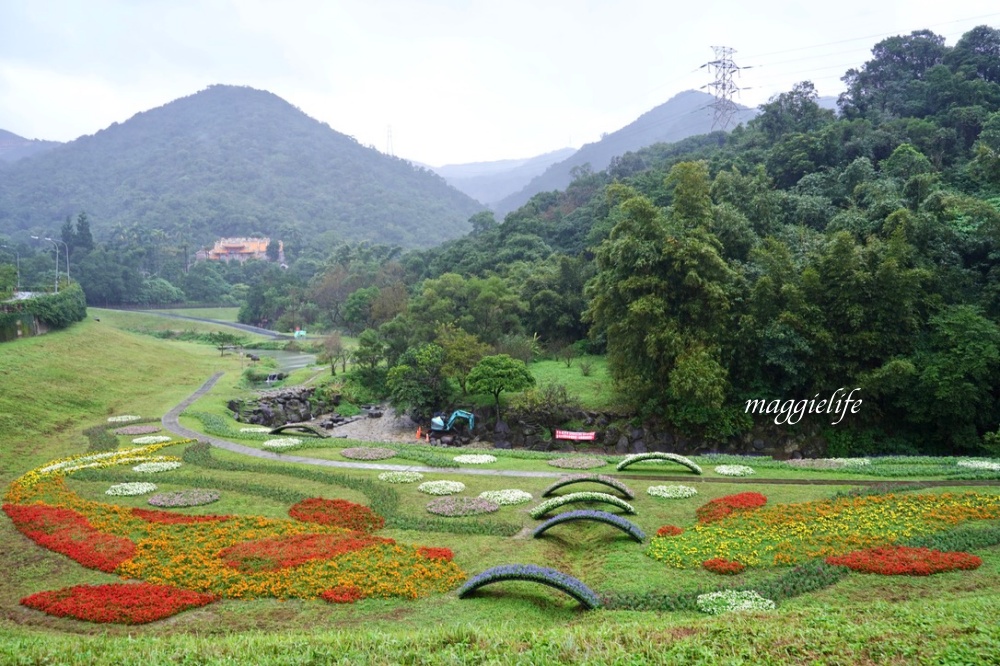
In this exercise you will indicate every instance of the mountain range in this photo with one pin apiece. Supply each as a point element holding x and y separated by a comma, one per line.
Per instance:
<point>14,147</point>
<point>232,161</point>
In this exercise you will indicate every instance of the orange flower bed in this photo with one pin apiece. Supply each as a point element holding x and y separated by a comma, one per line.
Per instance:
<point>345,594</point>
<point>723,566</point>
<point>337,513</point>
<point>718,509</point>
<point>167,518</point>
<point>669,530</point>
<point>436,553</point>
<point>905,561</point>
<point>272,554</point>
<point>118,603</point>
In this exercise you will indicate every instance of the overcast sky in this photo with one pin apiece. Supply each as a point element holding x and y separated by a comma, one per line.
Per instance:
<point>455,80</point>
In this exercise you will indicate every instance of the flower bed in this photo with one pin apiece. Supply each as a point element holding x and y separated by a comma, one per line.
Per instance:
<point>272,554</point>
<point>124,418</point>
<point>719,508</point>
<point>786,534</point>
<point>905,561</point>
<point>461,506</point>
<point>734,470</point>
<point>656,456</point>
<point>136,430</point>
<point>624,524</point>
<point>182,498</point>
<point>167,518</point>
<point>608,481</point>
<point>70,533</point>
<point>557,502</point>
<point>723,566</point>
<point>256,429</point>
<point>441,487</point>
<point>130,489</point>
<point>364,453</point>
<point>672,492</point>
<point>436,553</point>
<point>579,462</point>
<point>400,477</point>
<point>506,497</point>
<point>729,601</point>
<point>156,467</point>
<point>980,464</point>
<point>120,603</point>
<point>669,530</point>
<point>472,459</point>
<point>544,575</point>
<point>338,513</point>
<point>152,439</point>
<point>342,594</point>
<point>280,443</point>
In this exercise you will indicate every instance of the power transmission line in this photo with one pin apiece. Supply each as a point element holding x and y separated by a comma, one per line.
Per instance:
<point>723,87</point>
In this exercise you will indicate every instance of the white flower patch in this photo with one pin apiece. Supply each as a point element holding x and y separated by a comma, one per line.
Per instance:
<point>125,418</point>
<point>471,459</point>
<point>441,487</point>
<point>282,443</point>
<point>152,439</point>
<point>155,467</point>
<point>727,601</point>
<point>130,489</point>
<point>980,464</point>
<point>672,492</point>
<point>506,497</point>
<point>400,477</point>
<point>255,429</point>
<point>734,470</point>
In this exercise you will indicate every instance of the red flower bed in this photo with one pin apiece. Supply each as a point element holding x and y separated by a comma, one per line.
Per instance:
<point>343,594</point>
<point>718,509</point>
<point>436,553</point>
<point>167,518</point>
<point>669,530</point>
<point>905,561</point>
<point>272,554</point>
<point>339,513</point>
<point>119,603</point>
<point>725,567</point>
<point>68,532</point>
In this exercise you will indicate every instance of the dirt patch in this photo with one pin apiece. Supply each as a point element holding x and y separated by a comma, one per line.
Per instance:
<point>390,427</point>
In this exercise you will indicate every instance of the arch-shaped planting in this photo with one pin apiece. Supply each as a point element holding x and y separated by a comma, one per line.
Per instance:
<point>608,481</point>
<point>624,524</point>
<point>656,455</point>
<point>535,574</point>
<point>563,500</point>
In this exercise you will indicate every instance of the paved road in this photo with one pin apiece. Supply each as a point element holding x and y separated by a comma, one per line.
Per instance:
<point>232,324</point>
<point>171,423</point>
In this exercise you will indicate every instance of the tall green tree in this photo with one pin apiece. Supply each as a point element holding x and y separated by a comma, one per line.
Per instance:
<point>495,374</point>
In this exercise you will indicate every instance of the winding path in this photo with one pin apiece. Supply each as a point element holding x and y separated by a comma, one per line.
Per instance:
<point>171,423</point>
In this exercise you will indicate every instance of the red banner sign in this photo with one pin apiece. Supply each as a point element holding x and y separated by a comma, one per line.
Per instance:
<point>576,436</point>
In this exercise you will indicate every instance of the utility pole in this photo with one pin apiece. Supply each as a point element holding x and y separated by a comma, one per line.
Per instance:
<point>723,87</point>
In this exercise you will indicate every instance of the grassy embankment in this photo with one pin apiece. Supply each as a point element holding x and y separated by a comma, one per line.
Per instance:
<point>77,378</point>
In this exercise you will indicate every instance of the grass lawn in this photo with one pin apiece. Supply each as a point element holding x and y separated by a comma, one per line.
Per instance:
<point>219,314</point>
<point>57,385</point>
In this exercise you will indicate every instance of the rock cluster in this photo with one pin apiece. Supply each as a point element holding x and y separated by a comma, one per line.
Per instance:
<point>280,406</point>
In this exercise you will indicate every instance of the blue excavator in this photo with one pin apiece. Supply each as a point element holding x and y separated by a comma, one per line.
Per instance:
<point>440,427</point>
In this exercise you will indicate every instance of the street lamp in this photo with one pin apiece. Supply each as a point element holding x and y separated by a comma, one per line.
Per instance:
<point>65,245</point>
<point>18,256</point>
<point>57,259</point>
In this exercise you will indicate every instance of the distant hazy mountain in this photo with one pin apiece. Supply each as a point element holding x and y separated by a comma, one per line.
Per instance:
<point>14,147</point>
<point>686,114</point>
<point>489,182</point>
<point>233,161</point>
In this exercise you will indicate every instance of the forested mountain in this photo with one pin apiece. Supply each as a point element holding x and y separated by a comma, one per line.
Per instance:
<point>232,161</point>
<point>489,182</point>
<point>14,147</point>
<point>683,115</point>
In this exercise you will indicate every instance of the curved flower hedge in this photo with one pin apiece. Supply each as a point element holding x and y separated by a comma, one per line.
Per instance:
<point>557,502</point>
<point>120,603</point>
<point>529,572</point>
<point>905,561</point>
<point>659,457</point>
<point>609,481</point>
<point>624,524</point>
